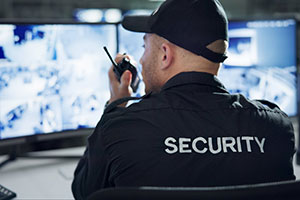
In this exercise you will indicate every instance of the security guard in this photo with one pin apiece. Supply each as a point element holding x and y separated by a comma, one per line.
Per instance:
<point>188,130</point>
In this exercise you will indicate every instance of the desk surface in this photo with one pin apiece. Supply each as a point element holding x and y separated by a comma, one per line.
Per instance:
<point>36,178</point>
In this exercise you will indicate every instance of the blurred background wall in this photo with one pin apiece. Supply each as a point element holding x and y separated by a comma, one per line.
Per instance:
<point>64,9</point>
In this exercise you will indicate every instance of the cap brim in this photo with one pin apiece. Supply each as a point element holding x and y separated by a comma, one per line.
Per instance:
<point>136,23</point>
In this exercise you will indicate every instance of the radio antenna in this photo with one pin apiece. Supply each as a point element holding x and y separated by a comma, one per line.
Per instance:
<point>113,62</point>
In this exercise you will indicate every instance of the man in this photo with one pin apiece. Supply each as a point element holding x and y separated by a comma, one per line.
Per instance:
<point>187,130</point>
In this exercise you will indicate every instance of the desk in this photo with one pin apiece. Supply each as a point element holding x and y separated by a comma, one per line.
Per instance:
<point>36,178</point>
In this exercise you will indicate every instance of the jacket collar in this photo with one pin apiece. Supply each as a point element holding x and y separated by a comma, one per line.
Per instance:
<point>200,78</point>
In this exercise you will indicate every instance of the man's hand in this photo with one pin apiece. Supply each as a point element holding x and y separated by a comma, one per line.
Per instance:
<point>119,89</point>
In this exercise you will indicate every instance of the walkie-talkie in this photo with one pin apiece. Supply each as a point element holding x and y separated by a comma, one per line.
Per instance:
<point>121,67</point>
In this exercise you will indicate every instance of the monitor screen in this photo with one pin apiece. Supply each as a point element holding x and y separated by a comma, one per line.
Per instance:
<point>261,60</point>
<point>53,77</point>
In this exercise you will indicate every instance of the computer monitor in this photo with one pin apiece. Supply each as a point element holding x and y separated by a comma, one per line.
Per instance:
<point>262,61</point>
<point>53,79</point>
<point>261,64</point>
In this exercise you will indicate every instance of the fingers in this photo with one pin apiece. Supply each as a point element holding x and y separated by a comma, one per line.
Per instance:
<point>119,57</point>
<point>119,89</point>
<point>111,73</point>
<point>125,79</point>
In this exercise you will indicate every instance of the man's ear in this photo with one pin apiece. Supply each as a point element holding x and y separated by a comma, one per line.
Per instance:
<point>167,55</point>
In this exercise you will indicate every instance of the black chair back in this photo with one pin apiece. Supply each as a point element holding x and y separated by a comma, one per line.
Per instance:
<point>287,190</point>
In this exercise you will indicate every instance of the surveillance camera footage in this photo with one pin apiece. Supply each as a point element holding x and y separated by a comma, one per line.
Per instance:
<point>262,62</point>
<point>53,77</point>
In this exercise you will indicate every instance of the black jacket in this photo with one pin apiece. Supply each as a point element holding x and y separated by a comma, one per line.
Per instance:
<point>192,133</point>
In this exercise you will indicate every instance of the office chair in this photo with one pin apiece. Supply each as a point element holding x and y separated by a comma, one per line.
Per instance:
<point>287,190</point>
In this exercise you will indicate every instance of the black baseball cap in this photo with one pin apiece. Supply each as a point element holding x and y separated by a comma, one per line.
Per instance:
<point>190,24</point>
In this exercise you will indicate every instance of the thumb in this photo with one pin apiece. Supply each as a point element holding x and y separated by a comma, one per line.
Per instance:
<point>126,79</point>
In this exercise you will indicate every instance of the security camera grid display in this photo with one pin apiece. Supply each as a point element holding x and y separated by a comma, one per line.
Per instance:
<point>262,62</point>
<point>53,77</point>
